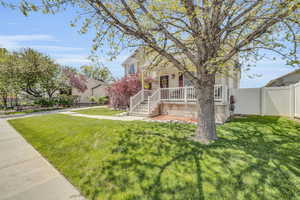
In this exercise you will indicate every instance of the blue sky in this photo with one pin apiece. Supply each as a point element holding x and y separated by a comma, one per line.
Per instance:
<point>52,34</point>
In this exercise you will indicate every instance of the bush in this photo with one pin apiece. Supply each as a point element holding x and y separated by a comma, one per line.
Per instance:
<point>45,102</point>
<point>93,99</point>
<point>102,100</point>
<point>66,100</point>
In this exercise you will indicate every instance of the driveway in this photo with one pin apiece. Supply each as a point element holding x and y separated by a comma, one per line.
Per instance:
<point>25,174</point>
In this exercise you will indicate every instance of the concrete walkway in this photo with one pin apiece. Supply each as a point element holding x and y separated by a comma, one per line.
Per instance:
<point>25,174</point>
<point>122,118</point>
<point>45,112</point>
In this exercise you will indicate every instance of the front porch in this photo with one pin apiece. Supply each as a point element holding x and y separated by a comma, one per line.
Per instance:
<point>163,100</point>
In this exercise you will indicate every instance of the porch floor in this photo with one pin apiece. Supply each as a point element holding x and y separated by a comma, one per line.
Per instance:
<point>175,118</point>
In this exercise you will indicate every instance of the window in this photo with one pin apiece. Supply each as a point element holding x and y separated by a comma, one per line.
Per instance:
<point>131,69</point>
<point>164,81</point>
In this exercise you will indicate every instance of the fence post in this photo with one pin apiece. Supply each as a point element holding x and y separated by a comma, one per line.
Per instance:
<point>292,100</point>
<point>262,102</point>
<point>297,99</point>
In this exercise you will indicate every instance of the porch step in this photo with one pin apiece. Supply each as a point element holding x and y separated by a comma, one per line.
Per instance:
<point>142,109</point>
<point>142,114</point>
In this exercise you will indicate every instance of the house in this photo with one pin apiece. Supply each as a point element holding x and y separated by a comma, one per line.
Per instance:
<point>95,88</point>
<point>285,80</point>
<point>170,92</point>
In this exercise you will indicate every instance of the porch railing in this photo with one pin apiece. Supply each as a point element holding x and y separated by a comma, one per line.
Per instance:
<point>138,98</point>
<point>188,94</point>
<point>153,100</point>
<point>178,94</point>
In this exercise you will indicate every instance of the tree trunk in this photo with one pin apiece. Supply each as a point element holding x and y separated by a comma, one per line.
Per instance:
<point>11,101</point>
<point>206,126</point>
<point>4,100</point>
<point>49,94</point>
<point>17,100</point>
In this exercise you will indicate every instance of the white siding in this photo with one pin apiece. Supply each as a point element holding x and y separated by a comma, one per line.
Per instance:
<point>85,96</point>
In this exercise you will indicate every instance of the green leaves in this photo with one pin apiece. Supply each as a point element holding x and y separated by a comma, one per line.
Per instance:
<point>97,72</point>
<point>29,71</point>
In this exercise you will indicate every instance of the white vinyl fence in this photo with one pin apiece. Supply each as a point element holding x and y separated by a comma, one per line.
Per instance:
<point>247,101</point>
<point>283,101</point>
<point>297,100</point>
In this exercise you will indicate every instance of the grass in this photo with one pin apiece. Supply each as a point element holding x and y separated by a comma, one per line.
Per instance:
<point>99,111</point>
<point>254,158</point>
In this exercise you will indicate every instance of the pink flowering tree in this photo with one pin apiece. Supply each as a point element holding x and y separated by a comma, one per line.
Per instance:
<point>74,79</point>
<point>120,91</point>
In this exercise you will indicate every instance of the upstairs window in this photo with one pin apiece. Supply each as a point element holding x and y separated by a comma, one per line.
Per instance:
<point>131,69</point>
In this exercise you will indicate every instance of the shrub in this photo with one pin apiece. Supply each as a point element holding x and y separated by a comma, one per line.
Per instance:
<point>102,100</point>
<point>45,102</point>
<point>66,100</point>
<point>93,99</point>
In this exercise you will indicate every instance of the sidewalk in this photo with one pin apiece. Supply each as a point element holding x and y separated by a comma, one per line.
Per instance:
<point>44,112</point>
<point>123,118</point>
<point>25,174</point>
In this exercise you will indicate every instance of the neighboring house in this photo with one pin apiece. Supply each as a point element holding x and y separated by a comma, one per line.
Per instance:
<point>170,92</point>
<point>285,80</point>
<point>95,88</point>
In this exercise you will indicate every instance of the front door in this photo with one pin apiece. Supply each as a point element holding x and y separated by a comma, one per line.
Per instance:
<point>180,80</point>
<point>164,81</point>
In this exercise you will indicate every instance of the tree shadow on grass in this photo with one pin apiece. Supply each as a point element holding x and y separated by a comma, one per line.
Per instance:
<point>253,159</point>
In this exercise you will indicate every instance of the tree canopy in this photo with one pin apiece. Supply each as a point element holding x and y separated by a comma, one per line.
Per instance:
<point>97,72</point>
<point>33,73</point>
<point>9,80</point>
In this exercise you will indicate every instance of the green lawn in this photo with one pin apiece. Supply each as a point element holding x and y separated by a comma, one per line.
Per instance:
<point>255,158</point>
<point>99,111</point>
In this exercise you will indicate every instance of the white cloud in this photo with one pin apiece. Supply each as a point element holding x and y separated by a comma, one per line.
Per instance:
<point>22,38</point>
<point>66,59</point>
<point>14,42</point>
<point>54,48</point>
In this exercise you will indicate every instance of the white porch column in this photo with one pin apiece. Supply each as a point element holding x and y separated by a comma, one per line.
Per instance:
<point>185,94</point>
<point>142,76</point>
